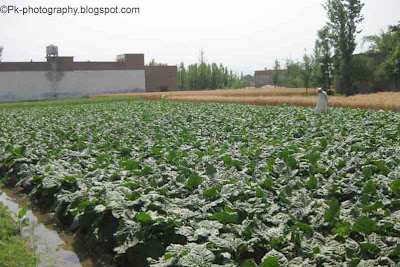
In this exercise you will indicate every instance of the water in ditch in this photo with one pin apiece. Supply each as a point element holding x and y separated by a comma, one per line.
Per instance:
<point>55,248</point>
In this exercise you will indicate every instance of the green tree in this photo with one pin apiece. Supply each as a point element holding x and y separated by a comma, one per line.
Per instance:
<point>385,42</point>
<point>293,74</point>
<point>307,70</point>
<point>226,77</point>
<point>276,77</point>
<point>381,43</point>
<point>214,76</point>
<point>344,17</point>
<point>193,77</point>
<point>323,59</point>
<point>182,77</point>
<point>248,80</point>
<point>388,44</point>
<point>393,67</point>
<point>363,69</point>
<point>221,80</point>
<point>205,76</point>
<point>154,63</point>
<point>298,73</point>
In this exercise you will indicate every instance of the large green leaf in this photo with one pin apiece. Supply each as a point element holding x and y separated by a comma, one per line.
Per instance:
<point>365,225</point>
<point>333,212</point>
<point>194,181</point>
<point>270,262</point>
<point>226,217</point>
<point>395,186</point>
<point>143,217</point>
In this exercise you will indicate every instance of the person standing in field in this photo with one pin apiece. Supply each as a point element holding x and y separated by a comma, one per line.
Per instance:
<point>322,104</point>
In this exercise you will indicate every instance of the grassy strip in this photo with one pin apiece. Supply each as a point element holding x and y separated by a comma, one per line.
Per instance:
<point>14,249</point>
<point>65,102</point>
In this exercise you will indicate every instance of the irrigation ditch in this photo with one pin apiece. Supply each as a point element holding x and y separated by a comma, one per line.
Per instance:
<point>53,246</point>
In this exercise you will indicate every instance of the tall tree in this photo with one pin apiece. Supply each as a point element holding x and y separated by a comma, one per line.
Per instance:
<point>307,70</point>
<point>276,77</point>
<point>221,81</point>
<point>1,53</point>
<point>363,71</point>
<point>182,77</point>
<point>226,77</point>
<point>344,17</point>
<point>293,77</point>
<point>214,76</point>
<point>193,77</point>
<point>248,80</point>
<point>394,67</point>
<point>323,59</point>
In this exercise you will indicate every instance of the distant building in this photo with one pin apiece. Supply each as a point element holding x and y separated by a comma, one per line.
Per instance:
<point>265,77</point>
<point>62,77</point>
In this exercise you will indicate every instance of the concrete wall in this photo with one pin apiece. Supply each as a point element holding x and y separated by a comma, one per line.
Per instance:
<point>161,77</point>
<point>61,77</point>
<point>38,85</point>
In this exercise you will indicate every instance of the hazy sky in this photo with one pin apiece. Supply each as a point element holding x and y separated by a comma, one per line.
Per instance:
<point>244,35</point>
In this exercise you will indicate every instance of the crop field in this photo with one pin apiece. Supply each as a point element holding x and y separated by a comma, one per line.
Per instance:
<point>162,183</point>
<point>276,96</point>
<point>245,92</point>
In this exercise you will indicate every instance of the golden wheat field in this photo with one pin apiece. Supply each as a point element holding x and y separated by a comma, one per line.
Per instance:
<point>275,96</point>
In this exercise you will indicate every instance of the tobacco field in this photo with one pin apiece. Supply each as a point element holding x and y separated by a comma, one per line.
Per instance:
<point>201,184</point>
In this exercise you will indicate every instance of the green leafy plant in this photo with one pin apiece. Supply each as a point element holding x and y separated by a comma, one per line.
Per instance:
<point>333,211</point>
<point>365,225</point>
<point>211,184</point>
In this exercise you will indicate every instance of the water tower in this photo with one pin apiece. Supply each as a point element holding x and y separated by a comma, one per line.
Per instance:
<point>52,73</point>
<point>51,51</point>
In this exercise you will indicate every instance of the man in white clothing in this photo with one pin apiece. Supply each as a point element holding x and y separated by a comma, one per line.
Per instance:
<point>322,104</point>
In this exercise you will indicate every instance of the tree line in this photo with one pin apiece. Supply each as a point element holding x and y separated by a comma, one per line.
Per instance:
<point>207,76</point>
<point>386,44</point>
<point>333,63</point>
